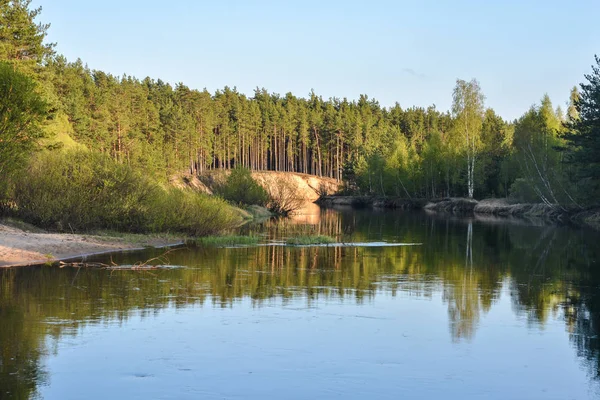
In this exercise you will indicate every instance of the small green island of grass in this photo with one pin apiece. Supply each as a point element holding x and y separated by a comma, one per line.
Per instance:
<point>227,241</point>
<point>307,240</point>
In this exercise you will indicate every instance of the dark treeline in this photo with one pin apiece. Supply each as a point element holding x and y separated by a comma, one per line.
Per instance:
<point>409,152</point>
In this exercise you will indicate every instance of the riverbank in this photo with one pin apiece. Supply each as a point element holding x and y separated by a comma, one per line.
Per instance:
<point>23,246</point>
<point>496,207</point>
<point>371,202</point>
<point>500,207</point>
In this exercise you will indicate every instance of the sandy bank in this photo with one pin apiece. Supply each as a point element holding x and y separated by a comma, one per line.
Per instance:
<point>19,247</point>
<point>309,187</point>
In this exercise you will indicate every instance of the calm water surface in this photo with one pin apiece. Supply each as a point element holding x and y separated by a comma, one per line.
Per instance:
<point>483,309</point>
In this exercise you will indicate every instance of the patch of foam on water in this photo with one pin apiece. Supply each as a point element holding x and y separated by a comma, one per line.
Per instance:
<point>348,244</point>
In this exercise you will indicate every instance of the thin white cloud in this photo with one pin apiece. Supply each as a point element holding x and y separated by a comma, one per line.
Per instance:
<point>414,73</point>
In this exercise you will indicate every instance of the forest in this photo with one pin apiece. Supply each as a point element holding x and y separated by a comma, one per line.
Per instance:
<point>50,106</point>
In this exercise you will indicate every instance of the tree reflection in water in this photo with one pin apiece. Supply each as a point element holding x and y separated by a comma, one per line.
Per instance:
<point>548,270</point>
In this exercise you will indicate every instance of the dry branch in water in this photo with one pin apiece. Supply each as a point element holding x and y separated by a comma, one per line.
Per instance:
<point>152,263</point>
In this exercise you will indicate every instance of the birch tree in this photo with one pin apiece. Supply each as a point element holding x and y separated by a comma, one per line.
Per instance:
<point>467,107</point>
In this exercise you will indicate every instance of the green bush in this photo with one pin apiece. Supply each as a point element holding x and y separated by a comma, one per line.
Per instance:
<point>79,190</point>
<point>241,188</point>
<point>521,191</point>
<point>196,214</point>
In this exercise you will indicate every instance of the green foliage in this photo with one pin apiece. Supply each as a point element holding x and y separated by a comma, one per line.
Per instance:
<point>192,213</point>
<point>241,188</point>
<point>76,190</point>
<point>59,134</point>
<point>226,241</point>
<point>538,135</point>
<point>82,190</point>
<point>496,137</point>
<point>309,240</point>
<point>21,113</point>
<point>521,191</point>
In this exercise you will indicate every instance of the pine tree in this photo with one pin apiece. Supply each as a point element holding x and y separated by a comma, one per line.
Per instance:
<point>21,39</point>
<point>584,137</point>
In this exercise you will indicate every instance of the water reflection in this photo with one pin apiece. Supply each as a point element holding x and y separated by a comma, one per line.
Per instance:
<point>550,272</point>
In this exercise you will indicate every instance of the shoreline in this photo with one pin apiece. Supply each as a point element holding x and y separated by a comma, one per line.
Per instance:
<point>21,247</point>
<point>589,218</point>
<point>25,245</point>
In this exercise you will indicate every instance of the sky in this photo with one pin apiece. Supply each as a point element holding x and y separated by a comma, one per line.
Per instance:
<point>410,52</point>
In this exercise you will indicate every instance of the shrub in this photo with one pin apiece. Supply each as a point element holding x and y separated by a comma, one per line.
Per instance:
<point>521,191</point>
<point>241,188</point>
<point>196,214</point>
<point>78,190</point>
<point>285,197</point>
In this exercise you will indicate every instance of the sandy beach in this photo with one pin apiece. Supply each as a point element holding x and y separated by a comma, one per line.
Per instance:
<point>20,248</point>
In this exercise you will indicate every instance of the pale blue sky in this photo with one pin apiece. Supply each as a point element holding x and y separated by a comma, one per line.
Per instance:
<point>406,51</point>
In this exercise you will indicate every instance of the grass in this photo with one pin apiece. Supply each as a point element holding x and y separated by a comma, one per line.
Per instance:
<point>226,241</point>
<point>259,212</point>
<point>306,240</point>
<point>141,239</point>
<point>18,224</point>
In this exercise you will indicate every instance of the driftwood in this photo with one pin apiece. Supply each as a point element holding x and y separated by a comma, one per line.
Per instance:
<point>150,264</point>
<point>62,264</point>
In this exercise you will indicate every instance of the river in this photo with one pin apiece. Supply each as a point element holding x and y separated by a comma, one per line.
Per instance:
<point>472,309</point>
